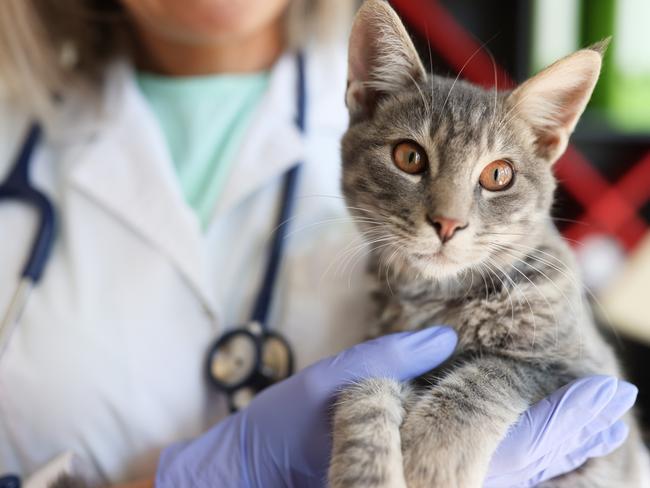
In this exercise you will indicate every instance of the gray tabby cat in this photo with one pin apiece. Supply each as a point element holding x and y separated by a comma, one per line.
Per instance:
<point>452,185</point>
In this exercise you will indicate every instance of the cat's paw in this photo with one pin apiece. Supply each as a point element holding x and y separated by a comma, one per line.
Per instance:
<point>440,468</point>
<point>366,443</point>
<point>439,453</point>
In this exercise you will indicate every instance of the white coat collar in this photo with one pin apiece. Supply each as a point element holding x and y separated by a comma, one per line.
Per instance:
<point>124,167</point>
<point>273,142</point>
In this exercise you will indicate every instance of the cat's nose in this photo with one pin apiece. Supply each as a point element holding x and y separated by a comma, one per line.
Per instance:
<point>445,227</point>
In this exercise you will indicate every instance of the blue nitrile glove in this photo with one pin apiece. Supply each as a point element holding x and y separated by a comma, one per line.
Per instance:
<point>282,438</point>
<point>558,434</point>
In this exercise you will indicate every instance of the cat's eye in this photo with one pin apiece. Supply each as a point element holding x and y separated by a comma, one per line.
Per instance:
<point>497,175</point>
<point>410,157</point>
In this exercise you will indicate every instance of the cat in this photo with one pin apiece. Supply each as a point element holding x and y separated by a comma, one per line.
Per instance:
<point>451,185</point>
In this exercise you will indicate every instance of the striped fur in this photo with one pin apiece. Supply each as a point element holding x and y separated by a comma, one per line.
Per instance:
<point>507,283</point>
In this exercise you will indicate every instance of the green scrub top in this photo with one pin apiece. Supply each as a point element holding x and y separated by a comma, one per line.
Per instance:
<point>204,120</point>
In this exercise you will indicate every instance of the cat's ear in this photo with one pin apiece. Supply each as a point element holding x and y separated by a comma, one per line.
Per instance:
<point>553,100</point>
<point>382,58</point>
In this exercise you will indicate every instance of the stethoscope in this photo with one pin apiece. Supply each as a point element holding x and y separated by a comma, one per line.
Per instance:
<point>17,186</point>
<point>242,361</point>
<point>247,359</point>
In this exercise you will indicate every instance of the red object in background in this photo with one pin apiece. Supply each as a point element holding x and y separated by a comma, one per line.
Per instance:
<point>609,208</point>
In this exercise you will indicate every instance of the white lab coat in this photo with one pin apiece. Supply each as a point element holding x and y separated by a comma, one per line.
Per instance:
<point>107,359</point>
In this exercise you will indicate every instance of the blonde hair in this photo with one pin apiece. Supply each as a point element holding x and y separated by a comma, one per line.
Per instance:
<point>48,44</point>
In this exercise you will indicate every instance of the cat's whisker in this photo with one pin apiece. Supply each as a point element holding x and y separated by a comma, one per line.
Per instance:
<point>346,218</point>
<point>531,253</point>
<point>551,218</point>
<point>551,281</point>
<point>540,251</point>
<point>377,249</point>
<point>376,211</point>
<point>507,117</point>
<point>489,274</point>
<point>417,85</point>
<point>496,87</point>
<point>571,221</point>
<point>512,113</point>
<point>339,220</point>
<point>320,195</point>
<point>426,33</point>
<point>471,285</point>
<point>377,238</point>
<point>468,289</point>
<point>487,294</point>
<point>340,255</point>
<point>576,284</point>
<point>456,278</point>
<point>460,72</point>
<point>397,249</point>
<point>361,241</point>
<point>532,313</point>
<point>567,273</point>
<point>510,234</point>
<point>494,265</point>
<point>527,252</point>
<point>349,258</point>
<point>514,234</point>
<point>515,286</point>
<point>359,254</point>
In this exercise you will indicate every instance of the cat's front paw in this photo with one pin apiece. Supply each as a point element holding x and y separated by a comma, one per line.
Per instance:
<point>441,468</point>
<point>436,455</point>
<point>366,450</point>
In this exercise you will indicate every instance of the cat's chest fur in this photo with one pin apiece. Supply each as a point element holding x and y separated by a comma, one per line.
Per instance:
<point>532,310</point>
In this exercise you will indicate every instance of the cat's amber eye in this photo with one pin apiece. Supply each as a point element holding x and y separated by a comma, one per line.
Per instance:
<point>497,175</point>
<point>410,157</point>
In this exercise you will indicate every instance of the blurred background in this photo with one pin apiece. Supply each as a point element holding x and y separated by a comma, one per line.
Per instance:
<point>603,201</point>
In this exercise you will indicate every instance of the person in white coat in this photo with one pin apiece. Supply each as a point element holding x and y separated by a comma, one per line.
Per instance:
<point>150,264</point>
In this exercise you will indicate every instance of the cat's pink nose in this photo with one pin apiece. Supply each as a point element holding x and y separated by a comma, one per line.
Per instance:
<point>446,228</point>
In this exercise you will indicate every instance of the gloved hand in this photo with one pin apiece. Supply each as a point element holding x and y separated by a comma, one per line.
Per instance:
<point>282,437</point>
<point>558,434</point>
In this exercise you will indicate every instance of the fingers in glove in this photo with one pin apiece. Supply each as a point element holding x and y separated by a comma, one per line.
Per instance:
<point>601,444</point>
<point>402,356</point>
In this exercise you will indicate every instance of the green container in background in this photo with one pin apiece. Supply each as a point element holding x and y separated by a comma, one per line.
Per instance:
<point>597,23</point>
<point>622,97</point>
<point>629,107</point>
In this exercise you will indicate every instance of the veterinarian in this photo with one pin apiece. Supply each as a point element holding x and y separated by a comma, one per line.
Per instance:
<point>167,130</point>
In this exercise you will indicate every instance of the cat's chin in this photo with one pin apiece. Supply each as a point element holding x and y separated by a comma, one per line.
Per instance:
<point>436,266</point>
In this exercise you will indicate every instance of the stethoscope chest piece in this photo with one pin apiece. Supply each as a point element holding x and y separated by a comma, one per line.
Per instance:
<point>246,360</point>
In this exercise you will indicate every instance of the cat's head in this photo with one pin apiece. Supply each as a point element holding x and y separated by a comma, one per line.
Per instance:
<point>440,173</point>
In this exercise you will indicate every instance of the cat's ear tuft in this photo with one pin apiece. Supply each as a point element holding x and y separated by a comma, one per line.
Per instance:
<point>382,58</point>
<point>553,100</point>
<point>601,46</point>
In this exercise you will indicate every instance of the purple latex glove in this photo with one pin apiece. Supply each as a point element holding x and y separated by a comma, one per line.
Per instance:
<point>282,437</point>
<point>558,434</point>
